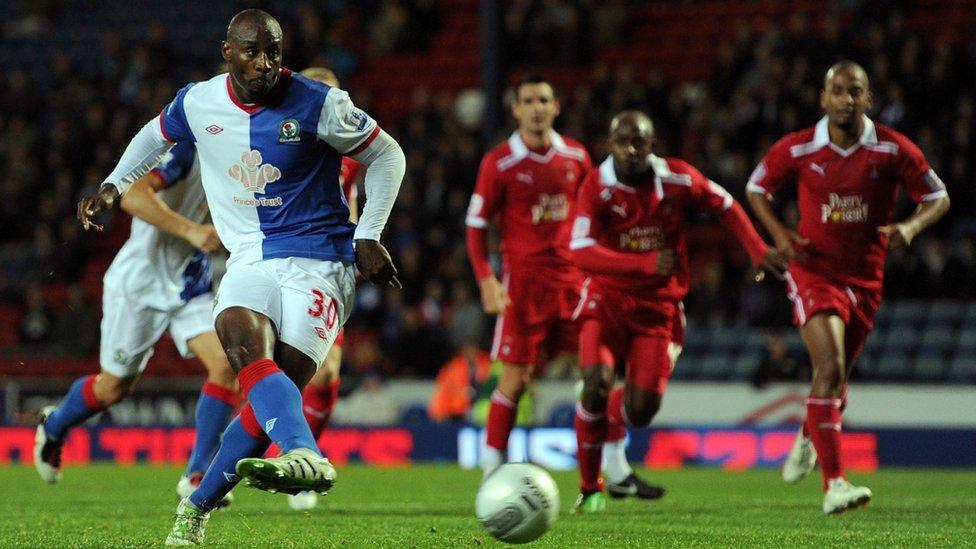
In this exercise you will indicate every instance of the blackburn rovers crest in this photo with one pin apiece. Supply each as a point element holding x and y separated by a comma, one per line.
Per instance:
<point>289,131</point>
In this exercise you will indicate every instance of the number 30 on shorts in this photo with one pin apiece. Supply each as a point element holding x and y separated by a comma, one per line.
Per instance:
<point>328,313</point>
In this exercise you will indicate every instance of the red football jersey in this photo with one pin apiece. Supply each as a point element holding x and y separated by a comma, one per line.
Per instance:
<point>349,173</point>
<point>845,195</point>
<point>531,195</point>
<point>629,219</point>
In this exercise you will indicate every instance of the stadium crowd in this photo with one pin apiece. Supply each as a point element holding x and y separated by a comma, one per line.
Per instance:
<point>61,135</point>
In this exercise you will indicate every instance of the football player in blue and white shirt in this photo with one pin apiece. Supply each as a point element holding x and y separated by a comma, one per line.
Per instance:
<point>270,143</point>
<point>161,279</point>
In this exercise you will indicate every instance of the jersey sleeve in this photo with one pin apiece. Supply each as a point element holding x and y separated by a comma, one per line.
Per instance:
<point>774,171</point>
<point>916,175</point>
<point>343,126</point>
<point>488,195</point>
<point>707,195</point>
<point>172,119</point>
<point>175,164</point>
<point>586,222</point>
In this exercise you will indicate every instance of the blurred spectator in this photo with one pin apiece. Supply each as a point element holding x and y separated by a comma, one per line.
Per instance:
<point>36,325</point>
<point>75,331</point>
<point>419,348</point>
<point>369,404</point>
<point>457,382</point>
<point>467,322</point>
<point>387,32</point>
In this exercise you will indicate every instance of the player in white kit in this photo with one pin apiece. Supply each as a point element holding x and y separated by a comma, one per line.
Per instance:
<point>270,144</point>
<point>160,279</point>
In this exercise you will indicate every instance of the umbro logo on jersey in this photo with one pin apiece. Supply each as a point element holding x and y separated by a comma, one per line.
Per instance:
<point>213,129</point>
<point>231,477</point>
<point>524,178</point>
<point>817,168</point>
<point>620,209</point>
<point>269,425</point>
<point>252,173</point>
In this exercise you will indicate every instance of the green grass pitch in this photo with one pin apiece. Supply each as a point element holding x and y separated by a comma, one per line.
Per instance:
<point>433,506</point>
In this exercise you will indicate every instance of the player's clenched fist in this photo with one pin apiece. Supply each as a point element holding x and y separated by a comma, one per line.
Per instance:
<point>791,245</point>
<point>375,263</point>
<point>774,262</point>
<point>204,237</point>
<point>899,234</point>
<point>494,298</point>
<point>92,206</point>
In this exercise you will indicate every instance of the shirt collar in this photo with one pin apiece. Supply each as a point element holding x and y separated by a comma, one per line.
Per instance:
<point>869,135</point>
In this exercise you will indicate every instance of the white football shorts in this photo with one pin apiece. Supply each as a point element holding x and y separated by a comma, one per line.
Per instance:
<point>307,300</point>
<point>130,329</point>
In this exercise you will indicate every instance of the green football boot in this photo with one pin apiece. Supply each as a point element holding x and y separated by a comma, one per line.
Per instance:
<point>591,503</point>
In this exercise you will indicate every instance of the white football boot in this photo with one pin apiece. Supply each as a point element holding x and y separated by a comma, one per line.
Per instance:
<point>801,459</point>
<point>842,495</point>
<point>188,484</point>
<point>297,471</point>
<point>47,452</point>
<point>303,501</point>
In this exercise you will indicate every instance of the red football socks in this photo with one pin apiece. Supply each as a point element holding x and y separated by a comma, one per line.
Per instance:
<point>616,426</point>
<point>501,419</point>
<point>317,404</point>
<point>823,426</point>
<point>591,431</point>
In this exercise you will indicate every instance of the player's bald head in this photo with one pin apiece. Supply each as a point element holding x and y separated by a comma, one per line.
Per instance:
<point>253,52</point>
<point>634,121</point>
<point>323,75</point>
<point>246,25</point>
<point>631,144</point>
<point>852,69</point>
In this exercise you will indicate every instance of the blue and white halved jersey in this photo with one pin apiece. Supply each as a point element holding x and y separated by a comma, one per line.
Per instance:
<point>158,269</point>
<point>271,170</point>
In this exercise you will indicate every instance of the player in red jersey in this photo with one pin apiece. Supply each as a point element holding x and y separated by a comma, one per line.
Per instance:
<point>321,393</point>
<point>629,238</point>
<point>527,184</point>
<point>847,170</point>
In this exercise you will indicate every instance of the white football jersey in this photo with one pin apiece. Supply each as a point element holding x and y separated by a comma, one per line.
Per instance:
<point>271,169</point>
<point>157,269</point>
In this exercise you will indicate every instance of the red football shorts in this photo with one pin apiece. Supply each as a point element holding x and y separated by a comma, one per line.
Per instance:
<point>646,335</point>
<point>540,317</point>
<point>813,294</point>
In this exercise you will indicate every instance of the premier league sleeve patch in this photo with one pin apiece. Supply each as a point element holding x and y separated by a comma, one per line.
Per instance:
<point>357,119</point>
<point>289,131</point>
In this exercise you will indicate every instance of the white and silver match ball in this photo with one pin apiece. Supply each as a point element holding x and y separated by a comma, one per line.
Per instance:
<point>518,502</point>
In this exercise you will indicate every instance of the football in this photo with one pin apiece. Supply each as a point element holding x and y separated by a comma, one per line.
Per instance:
<point>518,502</point>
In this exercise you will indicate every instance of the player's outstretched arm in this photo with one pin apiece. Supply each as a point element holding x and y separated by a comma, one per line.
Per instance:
<point>142,154</point>
<point>142,201</point>
<point>928,212</point>
<point>787,241</point>
<point>494,298</point>
<point>734,219</point>
<point>385,165</point>
<point>601,260</point>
